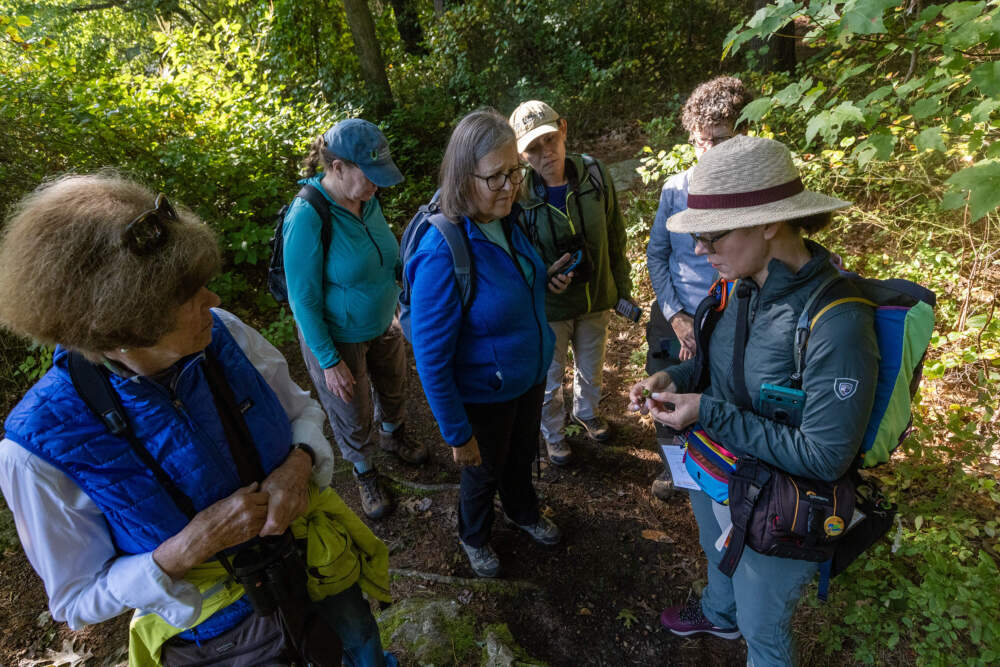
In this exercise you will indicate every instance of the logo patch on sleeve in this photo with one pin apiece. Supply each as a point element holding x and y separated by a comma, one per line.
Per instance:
<point>844,388</point>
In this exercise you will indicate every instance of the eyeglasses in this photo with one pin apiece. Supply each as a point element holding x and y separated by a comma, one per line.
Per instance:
<point>148,232</point>
<point>709,241</point>
<point>495,182</point>
<point>708,142</point>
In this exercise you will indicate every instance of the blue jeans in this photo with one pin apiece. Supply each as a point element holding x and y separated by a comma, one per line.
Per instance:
<point>349,614</point>
<point>759,598</point>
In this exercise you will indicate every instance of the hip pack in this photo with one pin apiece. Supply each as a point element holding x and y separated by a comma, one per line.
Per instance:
<point>778,514</point>
<point>710,464</point>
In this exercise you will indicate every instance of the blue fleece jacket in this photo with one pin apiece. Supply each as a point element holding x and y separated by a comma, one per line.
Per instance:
<point>351,298</point>
<point>501,347</point>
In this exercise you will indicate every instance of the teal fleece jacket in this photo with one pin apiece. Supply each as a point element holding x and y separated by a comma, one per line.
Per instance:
<point>842,352</point>
<point>351,298</point>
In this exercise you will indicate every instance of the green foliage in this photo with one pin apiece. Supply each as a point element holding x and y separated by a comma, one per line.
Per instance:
<point>657,167</point>
<point>897,82</point>
<point>281,331</point>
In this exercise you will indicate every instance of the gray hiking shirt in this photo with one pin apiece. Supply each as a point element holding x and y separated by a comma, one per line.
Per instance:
<point>839,379</point>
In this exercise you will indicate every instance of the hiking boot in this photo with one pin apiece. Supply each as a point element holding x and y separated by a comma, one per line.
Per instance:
<point>375,500</point>
<point>559,452</point>
<point>543,531</point>
<point>597,427</point>
<point>663,486</point>
<point>484,561</point>
<point>396,441</point>
<point>689,620</point>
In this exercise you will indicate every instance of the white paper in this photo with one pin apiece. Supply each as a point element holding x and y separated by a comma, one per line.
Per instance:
<point>674,455</point>
<point>725,520</point>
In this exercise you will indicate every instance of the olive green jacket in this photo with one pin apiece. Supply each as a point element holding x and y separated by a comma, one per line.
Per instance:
<point>839,378</point>
<point>603,228</point>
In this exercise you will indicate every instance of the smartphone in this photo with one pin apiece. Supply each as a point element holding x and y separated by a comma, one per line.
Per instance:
<point>628,310</point>
<point>574,261</point>
<point>782,404</point>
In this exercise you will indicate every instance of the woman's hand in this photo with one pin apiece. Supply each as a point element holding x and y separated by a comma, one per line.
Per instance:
<point>340,381</point>
<point>678,411</point>
<point>683,326</point>
<point>223,524</point>
<point>640,396</point>
<point>288,489</point>
<point>467,454</point>
<point>558,282</point>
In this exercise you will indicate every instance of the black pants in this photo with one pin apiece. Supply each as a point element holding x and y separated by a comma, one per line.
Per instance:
<point>662,351</point>
<point>507,434</point>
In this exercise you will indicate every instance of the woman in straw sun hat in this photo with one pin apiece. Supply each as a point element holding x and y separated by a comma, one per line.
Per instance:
<point>748,212</point>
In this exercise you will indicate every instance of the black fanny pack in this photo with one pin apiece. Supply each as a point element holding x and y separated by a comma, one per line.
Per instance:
<point>778,514</point>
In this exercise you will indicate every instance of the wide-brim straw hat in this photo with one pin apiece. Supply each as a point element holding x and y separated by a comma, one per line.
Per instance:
<point>745,182</point>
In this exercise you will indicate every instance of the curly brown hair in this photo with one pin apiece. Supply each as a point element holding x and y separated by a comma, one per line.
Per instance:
<point>715,102</point>
<point>66,277</point>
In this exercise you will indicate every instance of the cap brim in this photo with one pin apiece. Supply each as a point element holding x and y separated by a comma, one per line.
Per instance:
<point>525,141</point>
<point>384,175</point>
<point>720,219</point>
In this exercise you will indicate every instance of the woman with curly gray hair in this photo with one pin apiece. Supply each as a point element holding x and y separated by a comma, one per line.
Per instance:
<point>680,279</point>
<point>167,444</point>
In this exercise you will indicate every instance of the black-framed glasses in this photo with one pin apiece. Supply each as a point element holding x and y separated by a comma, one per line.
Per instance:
<point>709,241</point>
<point>495,182</point>
<point>708,142</point>
<point>148,231</point>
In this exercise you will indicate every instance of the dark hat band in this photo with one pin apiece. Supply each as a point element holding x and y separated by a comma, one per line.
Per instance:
<point>744,199</point>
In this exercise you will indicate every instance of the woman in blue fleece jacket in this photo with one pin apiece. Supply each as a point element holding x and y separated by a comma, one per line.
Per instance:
<point>483,370</point>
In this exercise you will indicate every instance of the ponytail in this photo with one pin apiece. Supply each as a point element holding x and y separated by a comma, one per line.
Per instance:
<point>316,157</point>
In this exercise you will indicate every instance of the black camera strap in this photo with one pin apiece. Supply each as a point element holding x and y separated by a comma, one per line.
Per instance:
<point>740,346</point>
<point>241,445</point>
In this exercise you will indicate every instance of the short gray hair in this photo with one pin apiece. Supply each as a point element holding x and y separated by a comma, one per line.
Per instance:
<point>477,135</point>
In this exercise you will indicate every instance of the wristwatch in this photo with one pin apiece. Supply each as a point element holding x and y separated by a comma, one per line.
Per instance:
<point>307,449</point>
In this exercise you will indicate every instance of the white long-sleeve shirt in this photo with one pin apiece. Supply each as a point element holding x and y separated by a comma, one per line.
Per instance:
<point>66,536</point>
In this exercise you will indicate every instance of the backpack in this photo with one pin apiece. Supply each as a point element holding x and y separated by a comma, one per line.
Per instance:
<point>428,215</point>
<point>904,323</point>
<point>276,283</point>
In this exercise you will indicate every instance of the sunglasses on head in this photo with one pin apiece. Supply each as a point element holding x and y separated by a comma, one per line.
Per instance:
<point>148,232</point>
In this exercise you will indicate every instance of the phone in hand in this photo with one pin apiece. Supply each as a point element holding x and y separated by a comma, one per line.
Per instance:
<point>574,261</point>
<point>628,310</point>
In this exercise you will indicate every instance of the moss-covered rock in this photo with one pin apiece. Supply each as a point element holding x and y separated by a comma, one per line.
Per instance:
<point>431,632</point>
<point>439,631</point>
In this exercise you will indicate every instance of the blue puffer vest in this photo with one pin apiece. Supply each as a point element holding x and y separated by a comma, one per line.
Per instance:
<point>179,426</point>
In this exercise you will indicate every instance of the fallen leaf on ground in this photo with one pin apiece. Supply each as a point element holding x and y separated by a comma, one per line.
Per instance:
<point>656,536</point>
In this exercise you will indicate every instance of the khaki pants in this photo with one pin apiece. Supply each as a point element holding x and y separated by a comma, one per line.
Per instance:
<point>588,334</point>
<point>379,369</point>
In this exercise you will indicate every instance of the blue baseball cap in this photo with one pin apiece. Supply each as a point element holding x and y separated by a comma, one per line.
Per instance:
<point>364,144</point>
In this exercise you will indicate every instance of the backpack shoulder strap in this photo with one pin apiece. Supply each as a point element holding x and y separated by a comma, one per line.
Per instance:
<point>322,207</point>
<point>458,244</point>
<point>94,387</point>
<point>594,173</point>
<point>809,316</point>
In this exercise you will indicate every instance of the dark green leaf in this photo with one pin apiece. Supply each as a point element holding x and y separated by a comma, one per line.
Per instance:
<point>982,182</point>
<point>864,17</point>
<point>754,111</point>
<point>925,107</point>
<point>987,77</point>
<point>930,139</point>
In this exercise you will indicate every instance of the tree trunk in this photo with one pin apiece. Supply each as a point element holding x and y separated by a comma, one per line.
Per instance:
<point>408,25</point>
<point>780,55</point>
<point>359,19</point>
